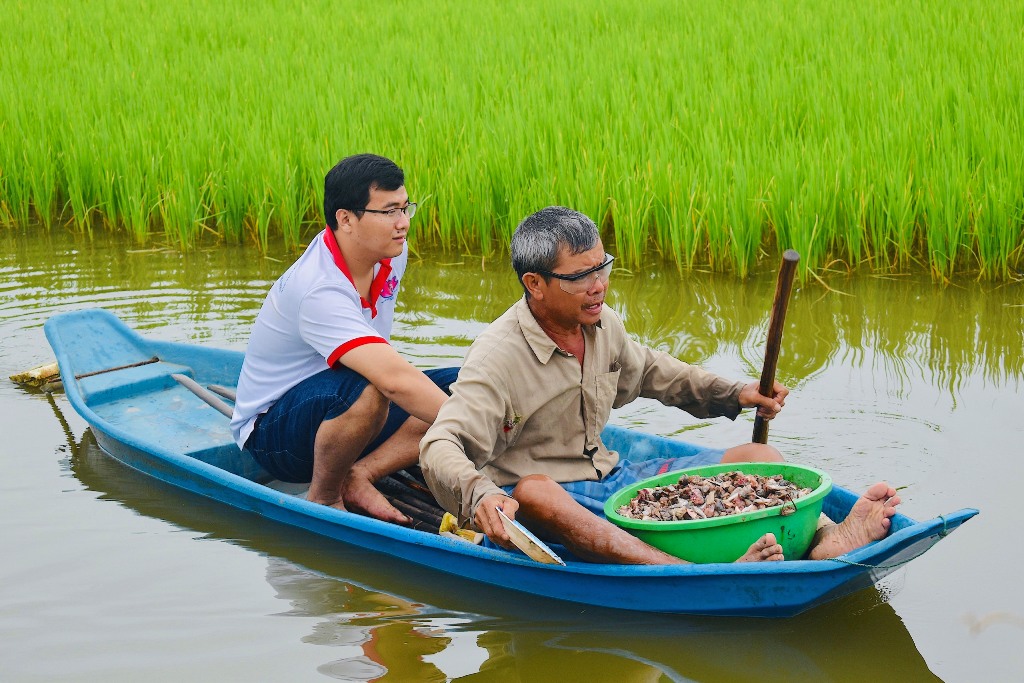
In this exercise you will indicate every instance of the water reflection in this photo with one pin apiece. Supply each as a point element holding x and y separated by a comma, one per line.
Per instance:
<point>462,631</point>
<point>901,327</point>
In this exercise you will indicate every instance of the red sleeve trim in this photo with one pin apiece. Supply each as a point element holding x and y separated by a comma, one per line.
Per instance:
<point>351,344</point>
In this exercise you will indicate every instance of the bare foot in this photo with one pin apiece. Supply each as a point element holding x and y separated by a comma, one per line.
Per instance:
<point>868,521</point>
<point>764,550</point>
<point>359,493</point>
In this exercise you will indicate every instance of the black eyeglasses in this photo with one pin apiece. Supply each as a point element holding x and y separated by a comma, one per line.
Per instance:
<point>409,210</point>
<point>577,283</point>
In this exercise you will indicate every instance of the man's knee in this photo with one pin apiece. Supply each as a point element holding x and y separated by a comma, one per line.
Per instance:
<point>752,452</point>
<point>371,407</point>
<point>536,487</point>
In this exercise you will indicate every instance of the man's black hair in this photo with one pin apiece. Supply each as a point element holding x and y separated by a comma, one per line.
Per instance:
<point>348,184</point>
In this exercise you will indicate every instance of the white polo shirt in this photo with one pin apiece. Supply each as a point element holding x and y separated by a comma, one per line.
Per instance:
<point>312,317</point>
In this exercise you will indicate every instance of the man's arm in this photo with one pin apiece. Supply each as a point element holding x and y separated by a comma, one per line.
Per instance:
<point>397,379</point>
<point>702,393</point>
<point>658,375</point>
<point>464,438</point>
<point>655,374</point>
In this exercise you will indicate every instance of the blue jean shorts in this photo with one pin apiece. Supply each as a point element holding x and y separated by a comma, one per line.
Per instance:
<point>282,439</point>
<point>593,494</point>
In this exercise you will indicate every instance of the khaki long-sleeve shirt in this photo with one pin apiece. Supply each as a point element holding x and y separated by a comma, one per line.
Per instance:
<point>522,406</point>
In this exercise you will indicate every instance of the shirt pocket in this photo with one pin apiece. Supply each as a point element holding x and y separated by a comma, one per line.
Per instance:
<point>605,389</point>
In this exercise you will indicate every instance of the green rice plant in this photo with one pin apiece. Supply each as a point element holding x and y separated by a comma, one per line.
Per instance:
<point>630,211</point>
<point>947,226</point>
<point>746,219</point>
<point>678,219</point>
<point>136,202</point>
<point>17,196</point>
<point>228,208</point>
<point>709,134</point>
<point>286,199</point>
<point>900,201</point>
<point>80,180</point>
<point>854,196</point>
<point>258,221</point>
<point>716,237</point>
<point>183,209</point>
<point>998,247</point>
<point>39,157</point>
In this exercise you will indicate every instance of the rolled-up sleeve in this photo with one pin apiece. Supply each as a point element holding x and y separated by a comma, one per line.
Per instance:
<point>656,374</point>
<point>464,437</point>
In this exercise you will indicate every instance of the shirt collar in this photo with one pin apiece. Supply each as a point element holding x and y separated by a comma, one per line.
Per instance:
<point>383,271</point>
<point>539,341</point>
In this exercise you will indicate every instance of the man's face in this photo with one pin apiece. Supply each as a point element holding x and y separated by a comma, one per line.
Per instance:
<point>377,233</point>
<point>580,308</point>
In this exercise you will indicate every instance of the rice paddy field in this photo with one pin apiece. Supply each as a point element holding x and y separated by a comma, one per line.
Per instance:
<point>870,136</point>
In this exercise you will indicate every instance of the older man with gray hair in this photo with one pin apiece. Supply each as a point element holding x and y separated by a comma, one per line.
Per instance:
<point>522,429</point>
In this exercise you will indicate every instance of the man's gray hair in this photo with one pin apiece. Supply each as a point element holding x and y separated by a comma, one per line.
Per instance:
<point>539,237</point>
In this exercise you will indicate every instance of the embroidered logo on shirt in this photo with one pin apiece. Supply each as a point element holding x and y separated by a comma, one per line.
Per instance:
<point>390,288</point>
<point>510,423</point>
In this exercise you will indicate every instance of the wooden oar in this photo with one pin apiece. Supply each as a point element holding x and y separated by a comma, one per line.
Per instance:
<point>775,326</point>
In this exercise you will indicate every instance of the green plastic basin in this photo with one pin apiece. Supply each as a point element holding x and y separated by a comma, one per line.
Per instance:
<point>725,539</point>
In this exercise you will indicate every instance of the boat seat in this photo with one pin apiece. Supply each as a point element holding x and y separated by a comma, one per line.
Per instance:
<point>118,384</point>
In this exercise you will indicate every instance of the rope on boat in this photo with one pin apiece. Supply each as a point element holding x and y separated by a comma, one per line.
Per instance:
<point>870,566</point>
<point>945,531</point>
<point>148,361</point>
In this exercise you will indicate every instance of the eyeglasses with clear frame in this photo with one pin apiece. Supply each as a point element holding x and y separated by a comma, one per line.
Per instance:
<point>578,283</point>
<point>409,210</point>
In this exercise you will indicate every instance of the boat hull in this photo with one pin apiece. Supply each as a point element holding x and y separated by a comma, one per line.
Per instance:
<point>143,418</point>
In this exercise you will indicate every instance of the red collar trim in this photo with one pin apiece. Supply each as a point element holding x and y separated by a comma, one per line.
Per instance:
<point>378,281</point>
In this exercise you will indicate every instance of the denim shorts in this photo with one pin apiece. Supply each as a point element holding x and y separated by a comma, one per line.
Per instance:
<point>593,494</point>
<point>282,439</point>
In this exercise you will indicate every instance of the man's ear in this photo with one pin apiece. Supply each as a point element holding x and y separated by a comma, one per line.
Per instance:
<point>533,282</point>
<point>344,218</point>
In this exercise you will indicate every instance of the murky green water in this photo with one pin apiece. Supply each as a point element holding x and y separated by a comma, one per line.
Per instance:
<point>108,575</point>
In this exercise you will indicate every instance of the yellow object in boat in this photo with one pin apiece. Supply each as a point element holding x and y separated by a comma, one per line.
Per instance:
<point>450,525</point>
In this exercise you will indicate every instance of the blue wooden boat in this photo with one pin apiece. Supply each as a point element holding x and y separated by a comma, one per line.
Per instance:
<point>122,384</point>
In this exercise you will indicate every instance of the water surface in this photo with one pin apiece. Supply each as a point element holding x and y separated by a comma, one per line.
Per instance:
<point>109,575</point>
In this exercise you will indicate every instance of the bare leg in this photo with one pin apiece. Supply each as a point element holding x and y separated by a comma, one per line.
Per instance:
<point>752,452</point>
<point>398,452</point>
<point>339,442</point>
<point>546,507</point>
<point>868,521</point>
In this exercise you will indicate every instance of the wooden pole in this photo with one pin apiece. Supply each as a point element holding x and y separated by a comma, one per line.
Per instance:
<point>775,326</point>
<point>209,397</point>
<point>390,487</point>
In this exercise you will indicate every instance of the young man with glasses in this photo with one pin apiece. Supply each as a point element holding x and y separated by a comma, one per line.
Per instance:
<point>323,397</point>
<point>521,432</point>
